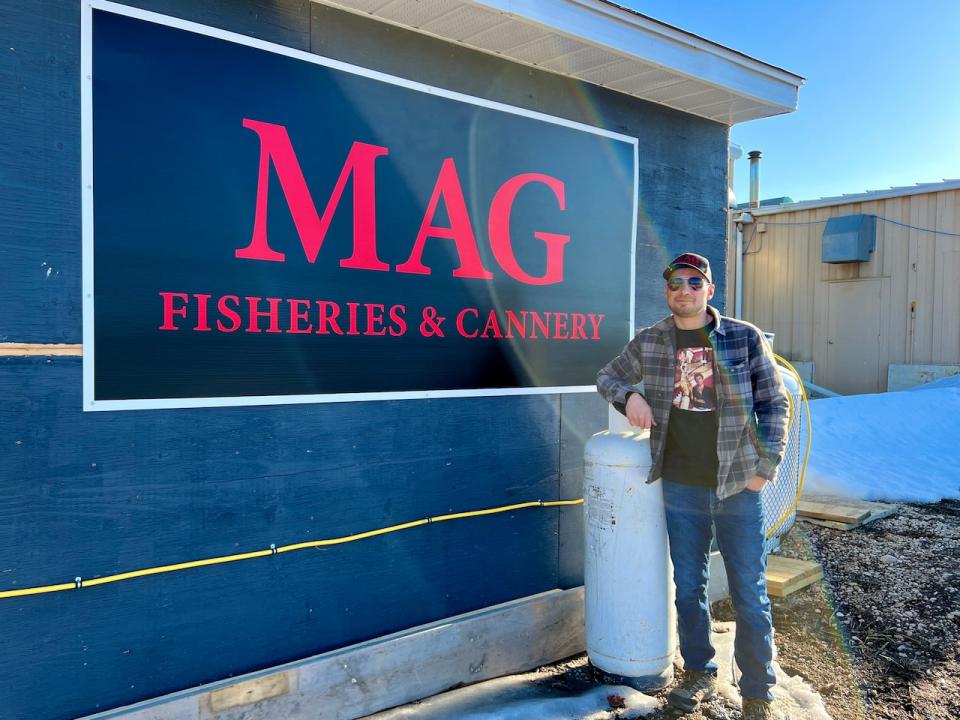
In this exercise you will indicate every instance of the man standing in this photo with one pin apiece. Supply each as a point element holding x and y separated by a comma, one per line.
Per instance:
<point>714,460</point>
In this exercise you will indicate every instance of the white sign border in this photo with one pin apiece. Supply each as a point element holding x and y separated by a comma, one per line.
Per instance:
<point>86,175</point>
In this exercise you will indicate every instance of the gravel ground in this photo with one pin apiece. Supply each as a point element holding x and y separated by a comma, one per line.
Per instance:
<point>892,586</point>
<point>879,638</point>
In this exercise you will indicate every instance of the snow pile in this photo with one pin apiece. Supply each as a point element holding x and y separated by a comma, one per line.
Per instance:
<point>593,704</point>
<point>794,697</point>
<point>899,446</point>
<point>519,697</point>
<point>522,697</point>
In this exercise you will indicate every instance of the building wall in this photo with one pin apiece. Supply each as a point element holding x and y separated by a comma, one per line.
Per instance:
<point>854,320</point>
<point>91,494</point>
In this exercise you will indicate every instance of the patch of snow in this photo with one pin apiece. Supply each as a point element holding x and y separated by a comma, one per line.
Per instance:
<point>900,447</point>
<point>794,697</point>
<point>521,697</point>
<point>591,704</point>
<point>517,697</point>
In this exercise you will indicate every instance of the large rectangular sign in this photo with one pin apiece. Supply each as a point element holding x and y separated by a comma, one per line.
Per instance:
<point>263,225</point>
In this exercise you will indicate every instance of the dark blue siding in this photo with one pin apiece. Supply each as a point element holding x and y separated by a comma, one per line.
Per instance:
<point>40,172</point>
<point>97,493</point>
<point>94,493</point>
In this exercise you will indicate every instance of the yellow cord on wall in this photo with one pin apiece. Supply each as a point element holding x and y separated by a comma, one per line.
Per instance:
<point>79,583</point>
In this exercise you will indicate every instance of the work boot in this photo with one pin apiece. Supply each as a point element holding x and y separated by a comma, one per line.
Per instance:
<point>758,709</point>
<point>696,687</point>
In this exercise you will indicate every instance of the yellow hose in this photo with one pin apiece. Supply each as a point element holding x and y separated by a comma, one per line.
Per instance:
<point>79,583</point>
<point>806,455</point>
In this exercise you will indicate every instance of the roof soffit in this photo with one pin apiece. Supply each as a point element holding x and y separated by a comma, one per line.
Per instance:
<point>603,44</point>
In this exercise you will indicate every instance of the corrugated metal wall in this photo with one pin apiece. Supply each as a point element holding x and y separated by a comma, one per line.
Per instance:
<point>854,320</point>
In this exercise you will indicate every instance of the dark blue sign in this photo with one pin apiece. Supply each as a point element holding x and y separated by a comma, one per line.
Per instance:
<point>271,226</point>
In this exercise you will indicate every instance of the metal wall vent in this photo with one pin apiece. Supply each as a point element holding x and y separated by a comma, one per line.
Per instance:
<point>849,239</point>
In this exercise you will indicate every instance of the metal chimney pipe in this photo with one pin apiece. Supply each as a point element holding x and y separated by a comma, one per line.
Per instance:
<point>754,156</point>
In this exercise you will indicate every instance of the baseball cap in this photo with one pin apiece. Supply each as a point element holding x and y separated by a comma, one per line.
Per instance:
<point>690,260</point>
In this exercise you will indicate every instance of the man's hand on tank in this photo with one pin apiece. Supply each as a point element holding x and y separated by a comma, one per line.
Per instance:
<point>639,413</point>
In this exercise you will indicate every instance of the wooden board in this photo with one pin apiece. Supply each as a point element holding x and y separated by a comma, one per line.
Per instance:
<point>847,513</point>
<point>22,349</point>
<point>785,575</point>
<point>370,676</point>
<point>831,524</point>
<point>881,512</point>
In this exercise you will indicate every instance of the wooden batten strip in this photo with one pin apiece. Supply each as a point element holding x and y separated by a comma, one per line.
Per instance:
<point>33,349</point>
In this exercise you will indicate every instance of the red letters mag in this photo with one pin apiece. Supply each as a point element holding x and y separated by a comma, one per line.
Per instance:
<point>317,232</point>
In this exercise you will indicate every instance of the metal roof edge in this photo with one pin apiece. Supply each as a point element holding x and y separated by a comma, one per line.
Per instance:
<point>907,190</point>
<point>680,34</point>
<point>701,38</point>
<point>605,24</point>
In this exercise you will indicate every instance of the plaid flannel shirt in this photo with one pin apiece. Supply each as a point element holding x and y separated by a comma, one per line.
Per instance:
<point>752,402</point>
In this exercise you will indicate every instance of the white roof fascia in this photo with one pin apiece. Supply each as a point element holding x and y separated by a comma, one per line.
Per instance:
<point>852,199</point>
<point>605,24</point>
<point>753,89</point>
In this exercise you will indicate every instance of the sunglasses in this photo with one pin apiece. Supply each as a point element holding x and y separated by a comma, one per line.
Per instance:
<point>694,283</point>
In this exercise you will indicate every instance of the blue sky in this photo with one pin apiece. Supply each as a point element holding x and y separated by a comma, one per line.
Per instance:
<point>881,103</point>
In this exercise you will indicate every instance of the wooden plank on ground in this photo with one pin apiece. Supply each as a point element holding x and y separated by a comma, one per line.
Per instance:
<point>851,513</point>
<point>882,511</point>
<point>842,513</point>
<point>831,524</point>
<point>786,575</point>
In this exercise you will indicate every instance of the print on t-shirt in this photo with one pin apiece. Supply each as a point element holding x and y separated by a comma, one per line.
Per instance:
<point>693,379</point>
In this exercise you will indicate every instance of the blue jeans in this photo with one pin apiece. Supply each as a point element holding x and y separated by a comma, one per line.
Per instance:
<point>692,514</point>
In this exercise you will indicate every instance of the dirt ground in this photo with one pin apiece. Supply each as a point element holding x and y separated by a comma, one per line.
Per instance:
<point>879,637</point>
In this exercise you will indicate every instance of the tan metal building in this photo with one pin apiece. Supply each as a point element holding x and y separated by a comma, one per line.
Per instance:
<point>854,315</point>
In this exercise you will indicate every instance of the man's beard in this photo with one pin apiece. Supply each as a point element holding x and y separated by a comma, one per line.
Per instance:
<point>690,309</point>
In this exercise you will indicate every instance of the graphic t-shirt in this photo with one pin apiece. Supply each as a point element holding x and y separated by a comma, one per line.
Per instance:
<point>690,456</point>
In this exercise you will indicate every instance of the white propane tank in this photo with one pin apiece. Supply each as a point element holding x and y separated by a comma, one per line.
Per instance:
<point>629,613</point>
